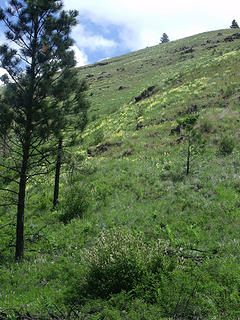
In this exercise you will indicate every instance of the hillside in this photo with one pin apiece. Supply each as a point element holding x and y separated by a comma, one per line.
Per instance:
<point>149,217</point>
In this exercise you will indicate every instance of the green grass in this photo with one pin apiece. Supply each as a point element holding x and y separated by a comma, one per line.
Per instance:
<point>130,169</point>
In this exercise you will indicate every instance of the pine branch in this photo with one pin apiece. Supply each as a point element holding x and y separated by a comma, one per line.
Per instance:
<point>8,179</point>
<point>11,149</point>
<point>41,21</point>
<point>7,225</point>
<point>32,144</point>
<point>37,174</point>
<point>8,204</point>
<point>24,59</point>
<point>10,26</point>
<point>44,155</point>
<point>9,168</point>
<point>8,190</point>
<point>11,74</point>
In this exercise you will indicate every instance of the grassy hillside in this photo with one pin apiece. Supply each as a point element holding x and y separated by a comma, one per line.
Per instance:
<point>135,236</point>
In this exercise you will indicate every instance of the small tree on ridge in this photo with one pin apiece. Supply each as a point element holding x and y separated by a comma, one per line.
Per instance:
<point>164,38</point>
<point>234,24</point>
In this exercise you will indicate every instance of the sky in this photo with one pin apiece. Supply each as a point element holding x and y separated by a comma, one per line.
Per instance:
<point>108,28</point>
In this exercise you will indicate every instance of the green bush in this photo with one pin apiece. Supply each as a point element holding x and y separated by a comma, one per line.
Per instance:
<point>188,122</point>
<point>116,263</point>
<point>183,283</point>
<point>75,204</point>
<point>120,261</point>
<point>226,145</point>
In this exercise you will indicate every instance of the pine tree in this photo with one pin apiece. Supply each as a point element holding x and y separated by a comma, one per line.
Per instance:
<point>164,38</point>
<point>39,60</point>
<point>234,24</point>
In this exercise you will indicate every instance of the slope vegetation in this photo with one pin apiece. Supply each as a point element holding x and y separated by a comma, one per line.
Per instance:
<point>149,218</point>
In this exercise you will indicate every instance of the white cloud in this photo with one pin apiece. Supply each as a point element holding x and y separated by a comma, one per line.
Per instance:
<point>143,22</point>
<point>80,56</point>
<point>2,72</point>
<point>89,41</point>
<point>119,10</point>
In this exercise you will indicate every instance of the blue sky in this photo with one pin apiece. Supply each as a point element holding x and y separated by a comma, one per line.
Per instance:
<point>109,28</point>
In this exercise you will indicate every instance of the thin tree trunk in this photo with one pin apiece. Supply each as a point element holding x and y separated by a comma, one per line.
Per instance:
<point>19,253</point>
<point>188,156</point>
<point>57,172</point>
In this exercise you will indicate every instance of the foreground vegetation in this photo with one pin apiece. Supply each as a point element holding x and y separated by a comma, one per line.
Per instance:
<point>134,236</point>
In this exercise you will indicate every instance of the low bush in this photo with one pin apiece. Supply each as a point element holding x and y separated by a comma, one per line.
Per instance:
<point>121,261</point>
<point>226,145</point>
<point>75,204</point>
<point>183,283</point>
<point>117,262</point>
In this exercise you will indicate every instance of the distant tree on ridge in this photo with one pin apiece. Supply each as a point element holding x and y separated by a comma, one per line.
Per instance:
<point>164,38</point>
<point>234,24</point>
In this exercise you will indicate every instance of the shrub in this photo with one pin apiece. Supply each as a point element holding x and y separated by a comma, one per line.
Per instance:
<point>122,261</point>
<point>75,203</point>
<point>226,145</point>
<point>184,284</point>
<point>116,263</point>
<point>188,122</point>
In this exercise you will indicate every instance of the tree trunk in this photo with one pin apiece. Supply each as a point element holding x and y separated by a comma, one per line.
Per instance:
<point>188,156</point>
<point>57,172</point>
<point>26,150</point>
<point>21,205</point>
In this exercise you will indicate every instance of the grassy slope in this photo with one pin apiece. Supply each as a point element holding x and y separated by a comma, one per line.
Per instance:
<point>136,178</point>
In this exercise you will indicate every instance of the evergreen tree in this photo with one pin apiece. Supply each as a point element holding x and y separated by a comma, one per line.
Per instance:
<point>164,38</point>
<point>41,59</point>
<point>234,24</point>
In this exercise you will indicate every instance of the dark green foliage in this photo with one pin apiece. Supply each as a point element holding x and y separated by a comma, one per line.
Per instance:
<point>234,24</point>
<point>188,122</point>
<point>5,118</point>
<point>40,64</point>
<point>164,38</point>
<point>5,125</point>
<point>226,145</point>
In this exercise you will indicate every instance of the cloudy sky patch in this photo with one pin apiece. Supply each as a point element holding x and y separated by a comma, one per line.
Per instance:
<point>114,27</point>
<point>109,28</point>
<point>80,56</point>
